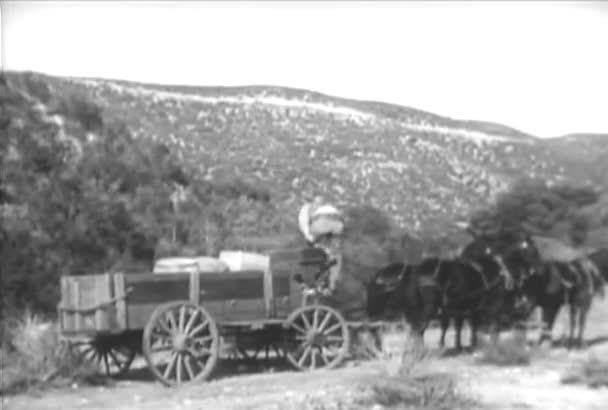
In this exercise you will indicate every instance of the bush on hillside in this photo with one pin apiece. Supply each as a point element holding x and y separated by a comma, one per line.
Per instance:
<point>533,205</point>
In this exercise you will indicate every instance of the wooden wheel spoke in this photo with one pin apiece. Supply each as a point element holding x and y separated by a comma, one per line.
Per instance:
<point>306,321</point>
<point>325,321</point>
<point>315,319</point>
<point>85,352</point>
<point>178,370</point>
<point>299,329</point>
<point>332,329</point>
<point>163,348</point>
<point>115,359</point>
<point>182,319</point>
<point>305,354</point>
<point>106,363</point>
<point>202,339</point>
<point>80,345</point>
<point>199,328</point>
<point>172,325</point>
<point>164,326</point>
<point>189,367</point>
<point>334,338</point>
<point>170,366</point>
<point>161,334</point>
<point>191,320</point>
<point>300,348</point>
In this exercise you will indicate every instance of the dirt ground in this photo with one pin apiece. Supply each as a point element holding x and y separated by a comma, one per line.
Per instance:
<point>270,386</point>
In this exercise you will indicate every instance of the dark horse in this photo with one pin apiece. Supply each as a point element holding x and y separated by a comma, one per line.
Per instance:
<point>491,295</point>
<point>415,292</point>
<point>600,258</point>
<point>558,284</point>
<point>397,291</point>
<point>473,286</point>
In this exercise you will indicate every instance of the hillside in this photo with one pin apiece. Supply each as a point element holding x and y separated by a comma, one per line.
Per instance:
<point>423,169</point>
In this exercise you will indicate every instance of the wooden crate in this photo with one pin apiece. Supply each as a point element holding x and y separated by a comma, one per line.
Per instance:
<point>92,304</point>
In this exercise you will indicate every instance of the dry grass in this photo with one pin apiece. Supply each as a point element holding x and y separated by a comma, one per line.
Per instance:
<point>34,357</point>
<point>408,381</point>
<point>593,372</point>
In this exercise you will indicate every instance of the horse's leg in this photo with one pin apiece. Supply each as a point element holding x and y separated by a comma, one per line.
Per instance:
<point>377,339</point>
<point>473,321</point>
<point>445,324</point>
<point>458,321</point>
<point>572,310</point>
<point>583,311</point>
<point>549,313</point>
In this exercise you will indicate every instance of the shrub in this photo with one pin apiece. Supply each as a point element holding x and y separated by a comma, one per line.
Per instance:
<point>35,357</point>
<point>407,380</point>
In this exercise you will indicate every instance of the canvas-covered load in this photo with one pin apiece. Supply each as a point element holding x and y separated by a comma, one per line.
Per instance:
<point>240,260</point>
<point>203,264</point>
<point>553,250</point>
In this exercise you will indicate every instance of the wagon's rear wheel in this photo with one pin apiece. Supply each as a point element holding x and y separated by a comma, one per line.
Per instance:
<point>319,338</point>
<point>181,343</point>
<point>112,357</point>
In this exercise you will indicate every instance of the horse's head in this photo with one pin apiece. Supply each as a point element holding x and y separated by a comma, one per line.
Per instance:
<point>382,290</point>
<point>524,255</point>
<point>480,248</point>
<point>514,254</point>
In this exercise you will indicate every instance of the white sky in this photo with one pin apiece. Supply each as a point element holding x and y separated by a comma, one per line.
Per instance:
<point>541,67</point>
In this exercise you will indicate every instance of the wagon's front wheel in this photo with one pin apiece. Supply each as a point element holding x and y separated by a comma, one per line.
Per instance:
<point>181,343</point>
<point>318,338</point>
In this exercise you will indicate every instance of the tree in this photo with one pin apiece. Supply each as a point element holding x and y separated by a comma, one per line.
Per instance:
<point>538,207</point>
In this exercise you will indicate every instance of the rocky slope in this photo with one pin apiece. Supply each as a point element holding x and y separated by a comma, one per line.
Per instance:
<point>423,169</point>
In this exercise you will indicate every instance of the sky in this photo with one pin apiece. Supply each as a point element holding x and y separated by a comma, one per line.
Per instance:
<point>541,67</point>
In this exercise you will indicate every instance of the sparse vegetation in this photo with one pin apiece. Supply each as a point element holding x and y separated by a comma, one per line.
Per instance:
<point>509,351</point>
<point>423,176</point>
<point>34,357</point>
<point>405,381</point>
<point>592,372</point>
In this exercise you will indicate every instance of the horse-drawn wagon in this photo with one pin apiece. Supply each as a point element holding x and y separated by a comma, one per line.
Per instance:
<point>184,323</point>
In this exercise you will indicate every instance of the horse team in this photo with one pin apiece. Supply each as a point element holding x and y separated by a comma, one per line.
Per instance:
<point>493,283</point>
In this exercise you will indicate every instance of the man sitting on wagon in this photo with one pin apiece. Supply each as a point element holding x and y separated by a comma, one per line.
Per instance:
<point>322,225</point>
